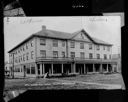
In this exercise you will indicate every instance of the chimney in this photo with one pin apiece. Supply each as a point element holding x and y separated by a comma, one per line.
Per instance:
<point>43,27</point>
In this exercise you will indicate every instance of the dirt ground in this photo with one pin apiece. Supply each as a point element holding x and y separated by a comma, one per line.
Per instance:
<point>91,81</point>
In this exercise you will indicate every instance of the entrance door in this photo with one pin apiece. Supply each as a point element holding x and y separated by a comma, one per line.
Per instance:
<point>38,69</point>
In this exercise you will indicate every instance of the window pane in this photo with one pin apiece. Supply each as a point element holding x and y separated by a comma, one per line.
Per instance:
<point>98,56</point>
<point>63,43</point>
<point>72,44</point>
<point>55,54</point>
<point>43,53</point>
<point>55,43</point>
<point>72,54</point>
<point>82,54</point>
<point>90,56</point>
<point>42,42</point>
<point>81,45</point>
<point>90,46</point>
<point>63,54</point>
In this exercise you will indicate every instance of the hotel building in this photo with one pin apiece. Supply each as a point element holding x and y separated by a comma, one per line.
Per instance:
<point>58,52</point>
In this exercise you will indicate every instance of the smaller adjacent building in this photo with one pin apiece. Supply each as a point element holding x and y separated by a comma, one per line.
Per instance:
<point>7,69</point>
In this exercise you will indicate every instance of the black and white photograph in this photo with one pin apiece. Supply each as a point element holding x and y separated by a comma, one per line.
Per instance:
<point>75,52</point>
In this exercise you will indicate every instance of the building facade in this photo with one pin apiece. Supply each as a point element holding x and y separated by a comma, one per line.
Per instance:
<point>58,52</point>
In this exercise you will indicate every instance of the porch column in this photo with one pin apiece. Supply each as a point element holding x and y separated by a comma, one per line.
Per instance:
<point>107,67</point>
<point>52,67</point>
<point>73,68</point>
<point>93,67</point>
<point>36,69</point>
<point>62,68</point>
<point>84,69</point>
<point>41,69</point>
<point>101,68</point>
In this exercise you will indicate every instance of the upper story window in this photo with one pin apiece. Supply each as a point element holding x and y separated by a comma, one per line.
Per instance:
<point>23,48</point>
<point>32,54</point>
<point>72,54</point>
<point>26,46</point>
<point>104,47</point>
<point>43,53</point>
<point>98,56</point>
<point>108,48</point>
<point>82,55</point>
<point>55,43</point>
<point>27,56</point>
<point>63,43</point>
<point>81,45</point>
<point>98,47</point>
<point>23,57</point>
<point>63,54</point>
<point>31,43</point>
<point>90,55</point>
<point>55,54</point>
<point>90,46</point>
<point>109,56</point>
<point>105,56</point>
<point>72,44</point>
<point>42,41</point>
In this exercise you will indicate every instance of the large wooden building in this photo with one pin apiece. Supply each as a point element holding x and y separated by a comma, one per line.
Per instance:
<point>58,52</point>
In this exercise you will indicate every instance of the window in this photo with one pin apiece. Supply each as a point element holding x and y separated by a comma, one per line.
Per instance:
<point>82,55</point>
<point>19,59</point>
<point>72,44</point>
<point>23,48</point>
<point>24,57</point>
<point>55,54</point>
<point>72,54</point>
<point>109,56</point>
<point>90,55</point>
<point>108,48</point>
<point>27,56</point>
<point>42,41</point>
<point>26,46</point>
<point>98,47</point>
<point>104,47</point>
<point>98,56</point>
<point>81,45</point>
<point>43,53</point>
<point>63,43</point>
<point>63,54</point>
<point>32,54</point>
<point>90,46</point>
<point>31,43</point>
<point>105,56</point>
<point>55,43</point>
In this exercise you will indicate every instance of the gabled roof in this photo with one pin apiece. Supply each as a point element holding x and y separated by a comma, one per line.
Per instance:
<point>62,35</point>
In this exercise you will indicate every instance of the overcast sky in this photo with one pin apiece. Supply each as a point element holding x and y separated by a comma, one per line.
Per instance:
<point>106,28</point>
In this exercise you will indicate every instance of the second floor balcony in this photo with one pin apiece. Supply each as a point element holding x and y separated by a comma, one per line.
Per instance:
<point>75,59</point>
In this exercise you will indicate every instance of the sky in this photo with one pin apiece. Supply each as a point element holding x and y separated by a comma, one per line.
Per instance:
<point>106,28</point>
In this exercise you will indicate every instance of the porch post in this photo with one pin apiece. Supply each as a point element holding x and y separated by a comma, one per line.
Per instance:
<point>41,69</point>
<point>101,68</point>
<point>52,67</point>
<point>62,68</point>
<point>93,67</point>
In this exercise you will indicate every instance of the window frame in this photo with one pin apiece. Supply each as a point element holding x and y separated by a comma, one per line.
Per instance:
<point>72,44</point>
<point>42,41</point>
<point>55,43</point>
<point>43,53</point>
<point>82,45</point>
<point>54,56</point>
